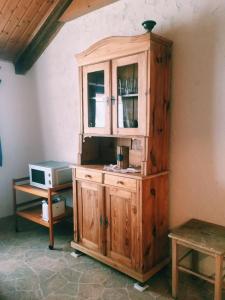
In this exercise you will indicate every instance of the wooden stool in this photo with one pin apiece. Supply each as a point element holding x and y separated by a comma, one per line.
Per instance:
<point>203,237</point>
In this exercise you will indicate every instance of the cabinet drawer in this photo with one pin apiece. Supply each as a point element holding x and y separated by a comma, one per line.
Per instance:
<point>120,181</point>
<point>89,175</point>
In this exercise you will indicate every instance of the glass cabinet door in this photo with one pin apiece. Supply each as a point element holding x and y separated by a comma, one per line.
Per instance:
<point>96,104</point>
<point>129,91</point>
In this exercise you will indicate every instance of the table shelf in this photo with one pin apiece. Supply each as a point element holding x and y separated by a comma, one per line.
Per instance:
<point>34,214</point>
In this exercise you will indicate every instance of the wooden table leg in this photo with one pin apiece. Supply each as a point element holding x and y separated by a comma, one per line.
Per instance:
<point>218,277</point>
<point>50,220</point>
<point>174,268</point>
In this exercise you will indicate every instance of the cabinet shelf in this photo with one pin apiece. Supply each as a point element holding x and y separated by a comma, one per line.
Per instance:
<point>128,96</point>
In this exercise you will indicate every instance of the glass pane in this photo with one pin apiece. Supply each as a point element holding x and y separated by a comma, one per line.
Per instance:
<point>96,99</point>
<point>127,83</point>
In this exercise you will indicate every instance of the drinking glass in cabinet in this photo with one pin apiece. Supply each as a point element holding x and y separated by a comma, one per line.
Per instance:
<point>127,91</point>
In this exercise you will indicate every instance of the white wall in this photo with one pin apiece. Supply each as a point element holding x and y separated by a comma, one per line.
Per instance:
<point>19,131</point>
<point>197,161</point>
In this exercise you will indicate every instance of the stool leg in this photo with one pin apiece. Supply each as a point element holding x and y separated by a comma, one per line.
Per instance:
<point>218,277</point>
<point>174,268</point>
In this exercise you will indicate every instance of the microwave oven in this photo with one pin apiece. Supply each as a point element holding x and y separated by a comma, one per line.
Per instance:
<point>49,174</point>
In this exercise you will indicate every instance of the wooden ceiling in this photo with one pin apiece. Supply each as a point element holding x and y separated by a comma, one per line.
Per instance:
<point>27,26</point>
<point>19,22</point>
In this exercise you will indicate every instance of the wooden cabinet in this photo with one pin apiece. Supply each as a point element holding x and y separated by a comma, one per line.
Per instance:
<point>121,218</point>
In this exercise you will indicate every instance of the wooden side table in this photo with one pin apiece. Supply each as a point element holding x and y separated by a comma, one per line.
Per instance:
<point>203,237</point>
<point>34,213</point>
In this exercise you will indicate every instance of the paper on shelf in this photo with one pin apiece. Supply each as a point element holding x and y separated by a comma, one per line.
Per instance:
<point>115,168</point>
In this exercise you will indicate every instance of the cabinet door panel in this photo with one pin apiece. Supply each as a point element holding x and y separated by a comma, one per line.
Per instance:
<point>121,210</point>
<point>129,87</point>
<point>90,214</point>
<point>96,98</point>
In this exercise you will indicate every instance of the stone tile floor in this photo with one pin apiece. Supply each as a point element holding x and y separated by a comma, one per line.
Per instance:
<point>29,270</point>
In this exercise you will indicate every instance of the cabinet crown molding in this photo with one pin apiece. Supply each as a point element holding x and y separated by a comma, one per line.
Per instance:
<point>118,46</point>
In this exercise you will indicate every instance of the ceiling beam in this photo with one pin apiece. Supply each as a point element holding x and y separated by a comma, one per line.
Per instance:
<point>81,7</point>
<point>65,11</point>
<point>42,39</point>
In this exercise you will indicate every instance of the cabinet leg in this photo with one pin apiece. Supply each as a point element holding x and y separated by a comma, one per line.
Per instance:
<point>141,286</point>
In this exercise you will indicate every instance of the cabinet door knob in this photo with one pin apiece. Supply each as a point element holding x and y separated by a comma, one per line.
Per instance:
<point>87,176</point>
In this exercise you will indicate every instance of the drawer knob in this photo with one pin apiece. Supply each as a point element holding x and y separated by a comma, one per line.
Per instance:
<point>87,176</point>
<point>120,182</point>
